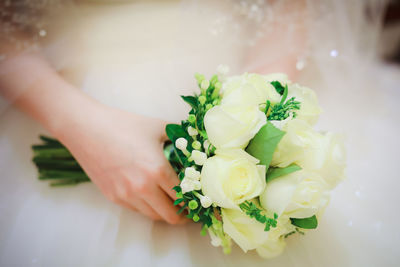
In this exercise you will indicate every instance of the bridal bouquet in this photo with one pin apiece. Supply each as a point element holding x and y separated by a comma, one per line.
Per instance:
<point>252,169</point>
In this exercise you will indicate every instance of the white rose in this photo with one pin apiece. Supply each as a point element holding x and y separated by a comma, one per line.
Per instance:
<point>280,77</point>
<point>248,89</point>
<point>292,148</point>
<point>300,194</point>
<point>276,238</point>
<point>279,192</point>
<point>309,108</point>
<point>231,177</point>
<point>311,196</point>
<point>320,153</point>
<point>233,126</point>
<point>328,160</point>
<point>271,248</point>
<point>247,232</point>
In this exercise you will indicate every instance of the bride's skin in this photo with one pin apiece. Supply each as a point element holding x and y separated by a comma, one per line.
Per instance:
<point>121,152</point>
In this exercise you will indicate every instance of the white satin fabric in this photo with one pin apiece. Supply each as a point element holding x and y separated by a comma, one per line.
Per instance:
<point>140,57</point>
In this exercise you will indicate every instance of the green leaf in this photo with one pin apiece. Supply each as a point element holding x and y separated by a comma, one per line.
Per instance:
<point>177,188</point>
<point>174,131</point>
<point>178,201</point>
<point>305,223</point>
<point>274,173</point>
<point>49,140</point>
<point>264,143</point>
<point>191,100</point>
<point>203,231</point>
<point>278,87</point>
<point>182,209</point>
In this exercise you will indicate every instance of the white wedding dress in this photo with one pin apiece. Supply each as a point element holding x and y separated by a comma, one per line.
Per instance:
<point>140,56</point>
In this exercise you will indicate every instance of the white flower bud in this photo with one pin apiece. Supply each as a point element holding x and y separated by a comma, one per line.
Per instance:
<point>187,185</point>
<point>191,173</point>
<point>205,84</point>
<point>181,143</point>
<point>215,240</point>
<point>199,157</point>
<point>197,185</point>
<point>205,201</point>
<point>192,131</point>
<point>206,145</point>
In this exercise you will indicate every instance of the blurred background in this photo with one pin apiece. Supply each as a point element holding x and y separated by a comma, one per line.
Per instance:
<point>389,44</point>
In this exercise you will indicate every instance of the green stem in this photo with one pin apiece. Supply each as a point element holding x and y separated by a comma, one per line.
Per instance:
<point>284,96</point>
<point>50,152</point>
<point>68,182</point>
<point>61,174</point>
<point>49,140</point>
<point>267,107</point>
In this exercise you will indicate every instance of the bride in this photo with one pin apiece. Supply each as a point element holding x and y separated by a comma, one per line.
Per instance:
<point>104,77</point>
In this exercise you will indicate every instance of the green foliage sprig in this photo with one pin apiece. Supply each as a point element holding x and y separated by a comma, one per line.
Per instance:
<point>200,104</point>
<point>253,211</point>
<point>283,109</point>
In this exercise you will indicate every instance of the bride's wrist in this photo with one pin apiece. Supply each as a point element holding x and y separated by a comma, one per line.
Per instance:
<point>74,118</point>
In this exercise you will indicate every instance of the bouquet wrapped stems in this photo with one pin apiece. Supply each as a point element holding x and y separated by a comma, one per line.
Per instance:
<point>55,163</point>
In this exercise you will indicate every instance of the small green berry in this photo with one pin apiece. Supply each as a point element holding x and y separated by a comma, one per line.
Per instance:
<point>202,99</point>
<point>196,145</point>
<point>179,195</point>
<point>193,204</point>
<point>192,118</point>
<point>208,106</point>
<point>196,218</point>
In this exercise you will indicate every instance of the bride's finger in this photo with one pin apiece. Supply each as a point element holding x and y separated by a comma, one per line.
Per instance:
<point>164,206</point>
<point>168,180</point>
<point>138,204</point>
<point>126,205</point>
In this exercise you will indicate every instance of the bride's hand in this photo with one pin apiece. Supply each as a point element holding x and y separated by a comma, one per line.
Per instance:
<point>122,153</point>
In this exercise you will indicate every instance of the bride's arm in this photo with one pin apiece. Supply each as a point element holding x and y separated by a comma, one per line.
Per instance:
<point>121,152</point>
